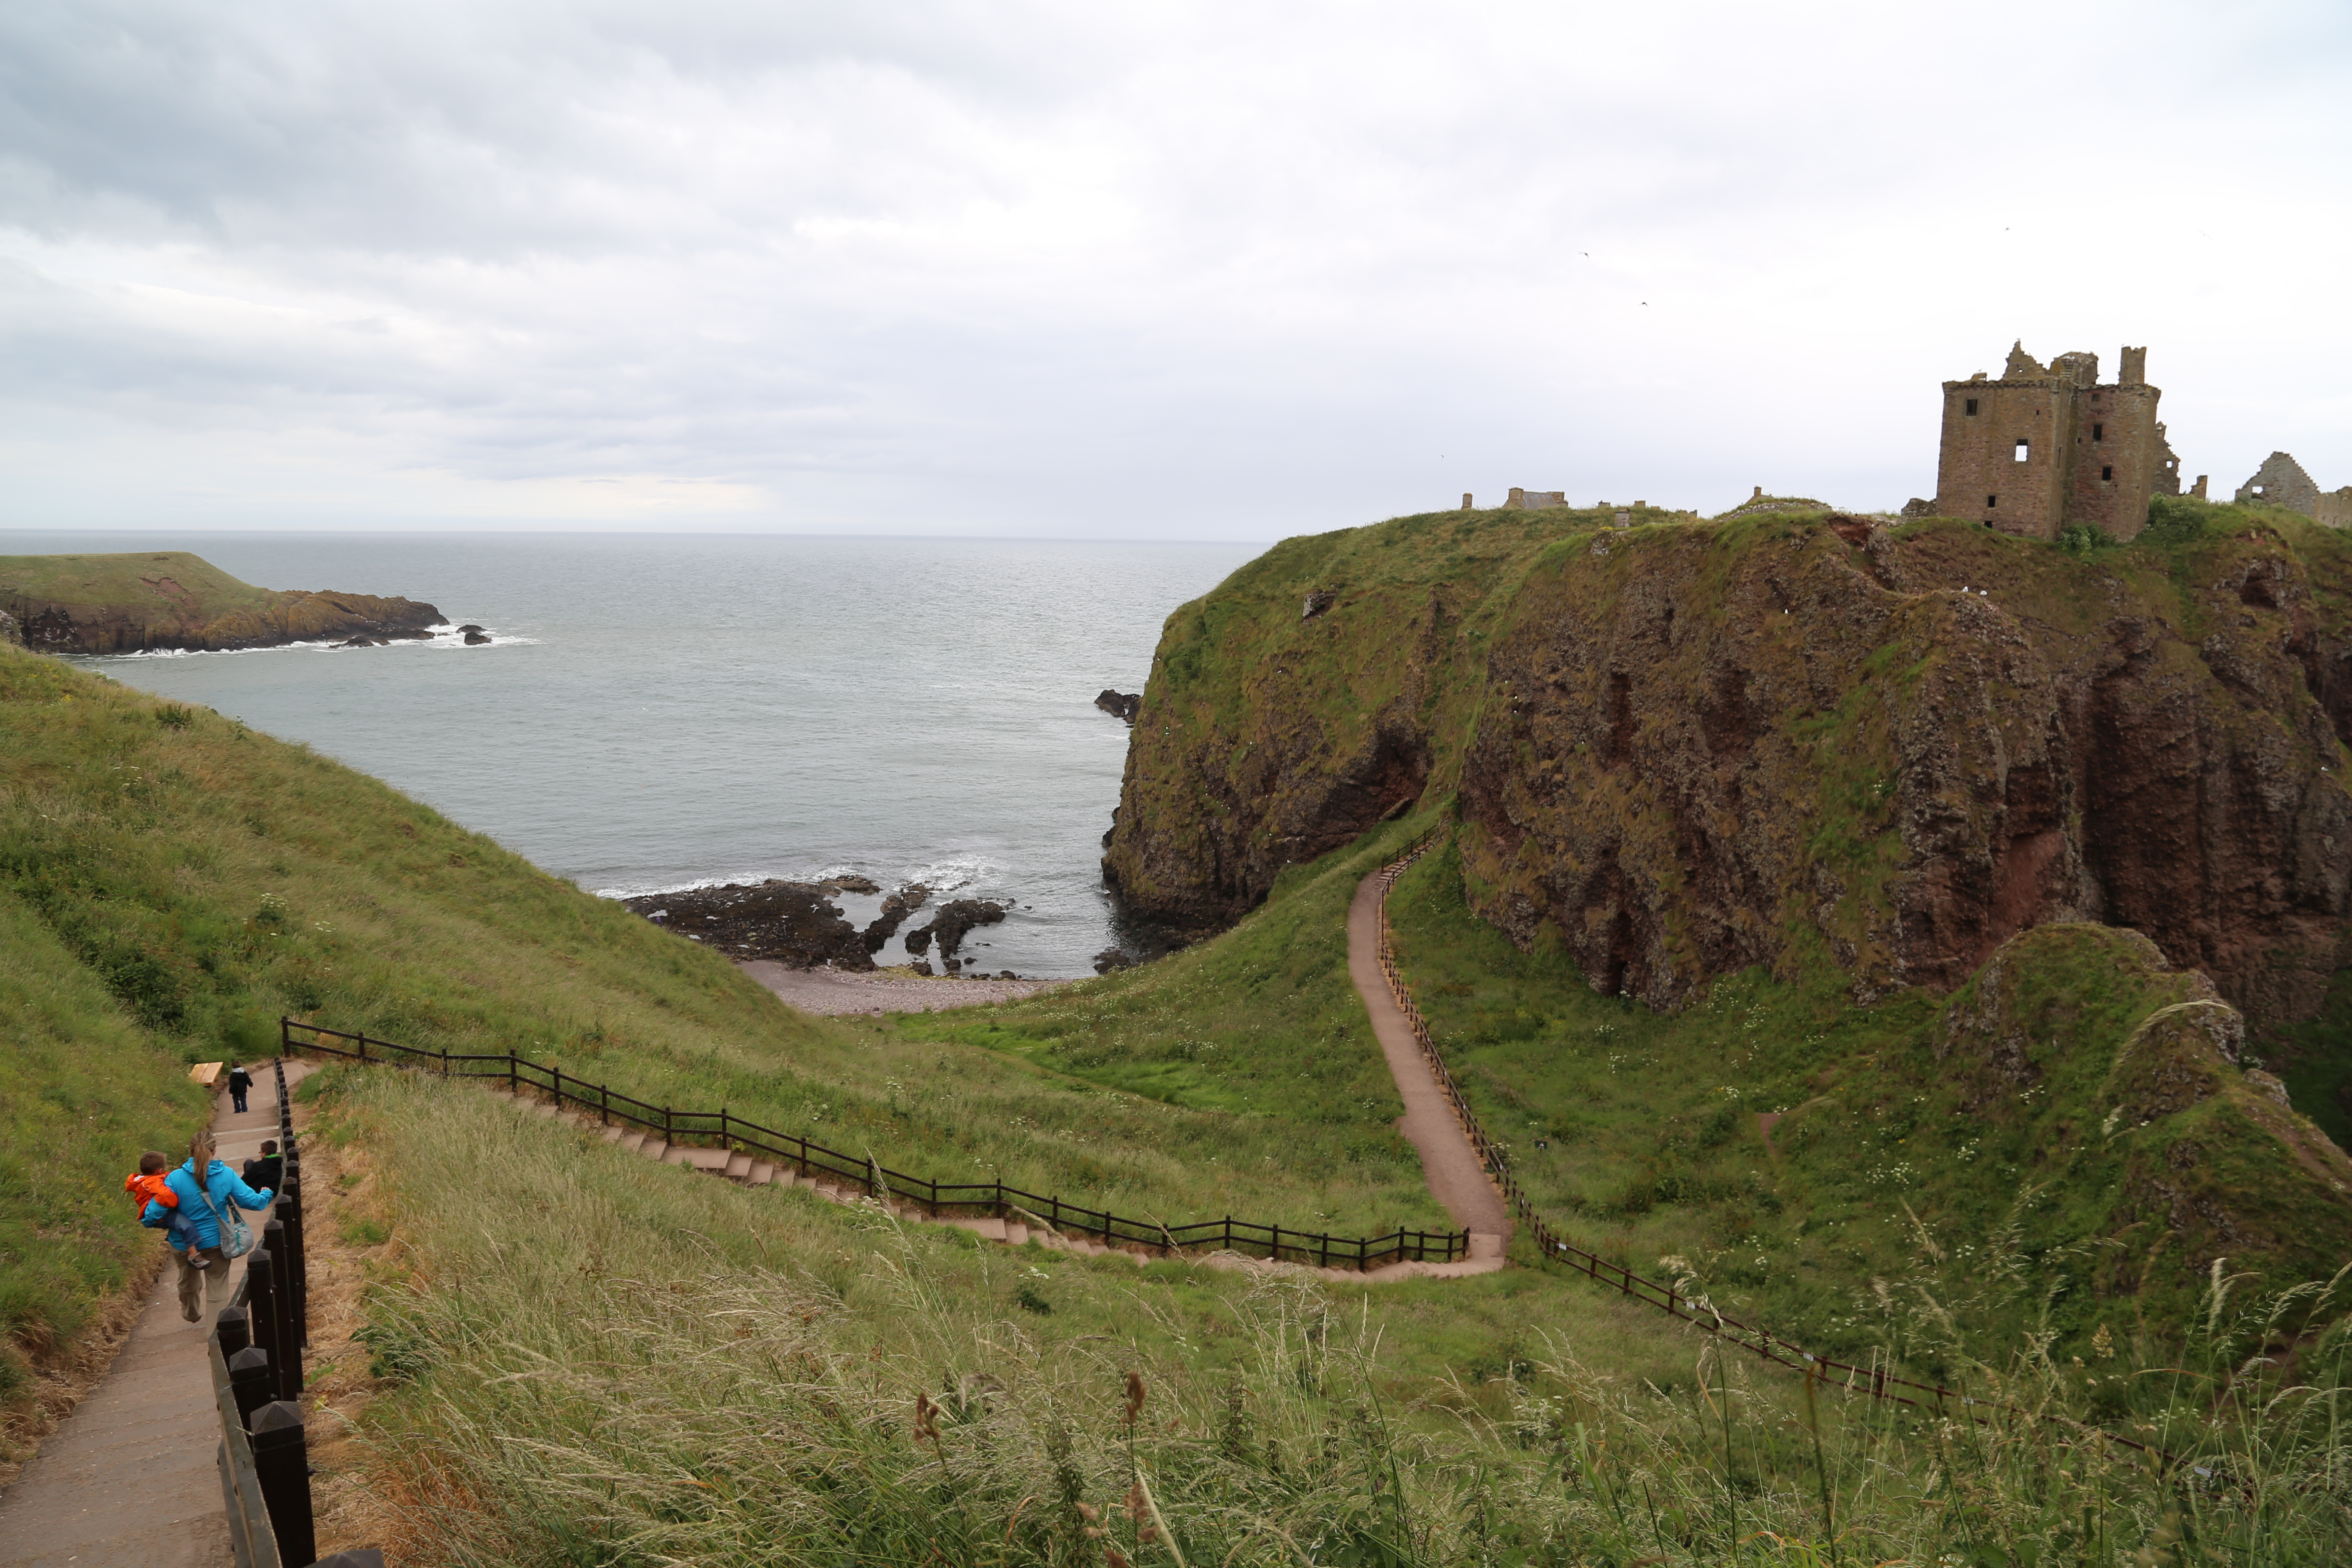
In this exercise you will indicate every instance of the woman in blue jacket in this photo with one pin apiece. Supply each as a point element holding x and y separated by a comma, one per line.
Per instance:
<point>203,1268</point>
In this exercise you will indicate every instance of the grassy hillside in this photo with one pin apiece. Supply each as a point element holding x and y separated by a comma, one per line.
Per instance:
<point>172,584</point>
<point>1782,1148</point>
<point>662,1368</point>
<point>88,1091</point>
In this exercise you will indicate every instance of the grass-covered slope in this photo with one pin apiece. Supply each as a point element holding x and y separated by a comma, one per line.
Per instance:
<point>662,1368</point>
<point>2070,1117</point>
<point>87,1092</point>
<point>173,883</point>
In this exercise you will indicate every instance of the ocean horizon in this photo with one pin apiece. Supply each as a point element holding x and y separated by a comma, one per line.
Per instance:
<point>657,712</point>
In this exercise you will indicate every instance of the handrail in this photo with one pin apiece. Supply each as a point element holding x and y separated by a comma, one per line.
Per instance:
<point>1700,1312</point>
<point>878,1180</point>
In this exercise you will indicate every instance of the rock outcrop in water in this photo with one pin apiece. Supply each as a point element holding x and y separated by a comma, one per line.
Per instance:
<point>895,910</point>
<point>1119,705</point>
<point>793,922</point>
<point>1687,749</point>
<point>955,921</point>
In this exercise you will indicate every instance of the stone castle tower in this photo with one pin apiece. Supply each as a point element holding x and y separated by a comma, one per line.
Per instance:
<point>2047,447</point>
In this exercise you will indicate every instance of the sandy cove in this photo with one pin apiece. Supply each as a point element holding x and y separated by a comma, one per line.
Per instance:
<point>838,991</point>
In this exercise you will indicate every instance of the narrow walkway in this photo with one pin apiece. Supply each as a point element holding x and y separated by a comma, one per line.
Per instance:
<point>1456,1176</point>
<point>129,1476</point>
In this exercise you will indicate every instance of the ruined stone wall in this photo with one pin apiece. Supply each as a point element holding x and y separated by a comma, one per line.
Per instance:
<point>1978,475</point>
<point>2334,510</point>
<point>1536,500</point>
<point>2115,458</point>
<point>2093,454</point>
<point>2280,481</point>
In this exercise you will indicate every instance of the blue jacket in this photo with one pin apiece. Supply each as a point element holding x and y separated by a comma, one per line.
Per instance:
<point>223,1187</point>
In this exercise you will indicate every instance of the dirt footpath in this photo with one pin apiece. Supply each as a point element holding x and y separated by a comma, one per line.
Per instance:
<point>1456,1175</point>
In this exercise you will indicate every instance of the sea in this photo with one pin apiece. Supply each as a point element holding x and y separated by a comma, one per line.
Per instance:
<point>654,712</point>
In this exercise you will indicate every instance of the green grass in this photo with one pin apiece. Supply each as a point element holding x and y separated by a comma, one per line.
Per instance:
<point>131,583</point>
<point>88,1093</point>
<point>179,882</point>
<point>588,1360</point>
<point>1640,1134</point>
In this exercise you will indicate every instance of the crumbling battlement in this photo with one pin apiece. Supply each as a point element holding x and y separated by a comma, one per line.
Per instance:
<point>2047,445</point>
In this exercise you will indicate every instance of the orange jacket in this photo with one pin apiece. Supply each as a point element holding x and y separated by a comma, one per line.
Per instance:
<point>151,1189</point>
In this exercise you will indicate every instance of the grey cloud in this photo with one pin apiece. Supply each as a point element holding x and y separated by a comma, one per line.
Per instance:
<point>1252,269</point>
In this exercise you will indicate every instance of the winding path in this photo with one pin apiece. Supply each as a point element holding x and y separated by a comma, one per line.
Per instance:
<point>1456,1175</point>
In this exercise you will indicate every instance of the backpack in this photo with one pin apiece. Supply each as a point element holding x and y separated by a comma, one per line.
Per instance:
<point>236,1235</point>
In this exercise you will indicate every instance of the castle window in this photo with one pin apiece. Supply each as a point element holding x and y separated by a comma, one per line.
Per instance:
<point>2098,432</point>
<point>2107,474</point>
<point>1972,406</point>
<point>1991,500</point>
<point>2025,449</point>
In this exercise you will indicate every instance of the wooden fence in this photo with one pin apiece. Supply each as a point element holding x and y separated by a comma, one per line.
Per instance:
<point>255,1350</point>
<point>723,1128</point>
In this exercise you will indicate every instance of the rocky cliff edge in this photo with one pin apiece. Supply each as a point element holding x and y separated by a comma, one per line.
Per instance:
<point>1685,749</point>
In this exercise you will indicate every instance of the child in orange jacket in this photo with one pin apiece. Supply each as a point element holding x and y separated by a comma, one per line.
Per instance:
<point>148,1185</point>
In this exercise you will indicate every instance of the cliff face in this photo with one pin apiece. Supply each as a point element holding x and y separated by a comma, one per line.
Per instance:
<point>171,599</point>
<point>1683,749</point>
<point>1320,688</point>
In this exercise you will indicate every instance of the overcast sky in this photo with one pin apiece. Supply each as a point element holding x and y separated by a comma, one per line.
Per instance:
<point>1127,270</point>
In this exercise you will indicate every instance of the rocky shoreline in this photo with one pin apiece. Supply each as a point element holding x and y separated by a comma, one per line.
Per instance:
<point>799,924</point>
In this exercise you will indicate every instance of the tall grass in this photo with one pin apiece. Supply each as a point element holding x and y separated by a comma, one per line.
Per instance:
<point>586,1360</point>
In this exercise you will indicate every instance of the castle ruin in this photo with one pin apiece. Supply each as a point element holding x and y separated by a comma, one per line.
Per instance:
<point>2046,447</point>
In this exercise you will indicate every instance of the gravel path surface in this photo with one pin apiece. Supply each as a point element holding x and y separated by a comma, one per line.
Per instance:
<point>834,991</point>
<point>1456,1175</point>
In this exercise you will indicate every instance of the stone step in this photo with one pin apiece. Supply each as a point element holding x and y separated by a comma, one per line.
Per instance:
<point>1016,1233</point>
<point>1483,1246</point>
<point>759,1175</point>
<point>738,1166</point>
<point>653,1148</point>
<point>617,1133</point>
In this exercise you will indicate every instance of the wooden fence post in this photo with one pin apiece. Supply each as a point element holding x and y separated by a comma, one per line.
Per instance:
<point>250,1383</point>
<point>282,1461</point>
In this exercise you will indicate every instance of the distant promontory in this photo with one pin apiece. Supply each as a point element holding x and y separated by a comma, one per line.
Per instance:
<point>172,599</point>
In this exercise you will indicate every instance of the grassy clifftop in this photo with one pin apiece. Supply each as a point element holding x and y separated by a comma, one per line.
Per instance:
<point>172,599</point>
